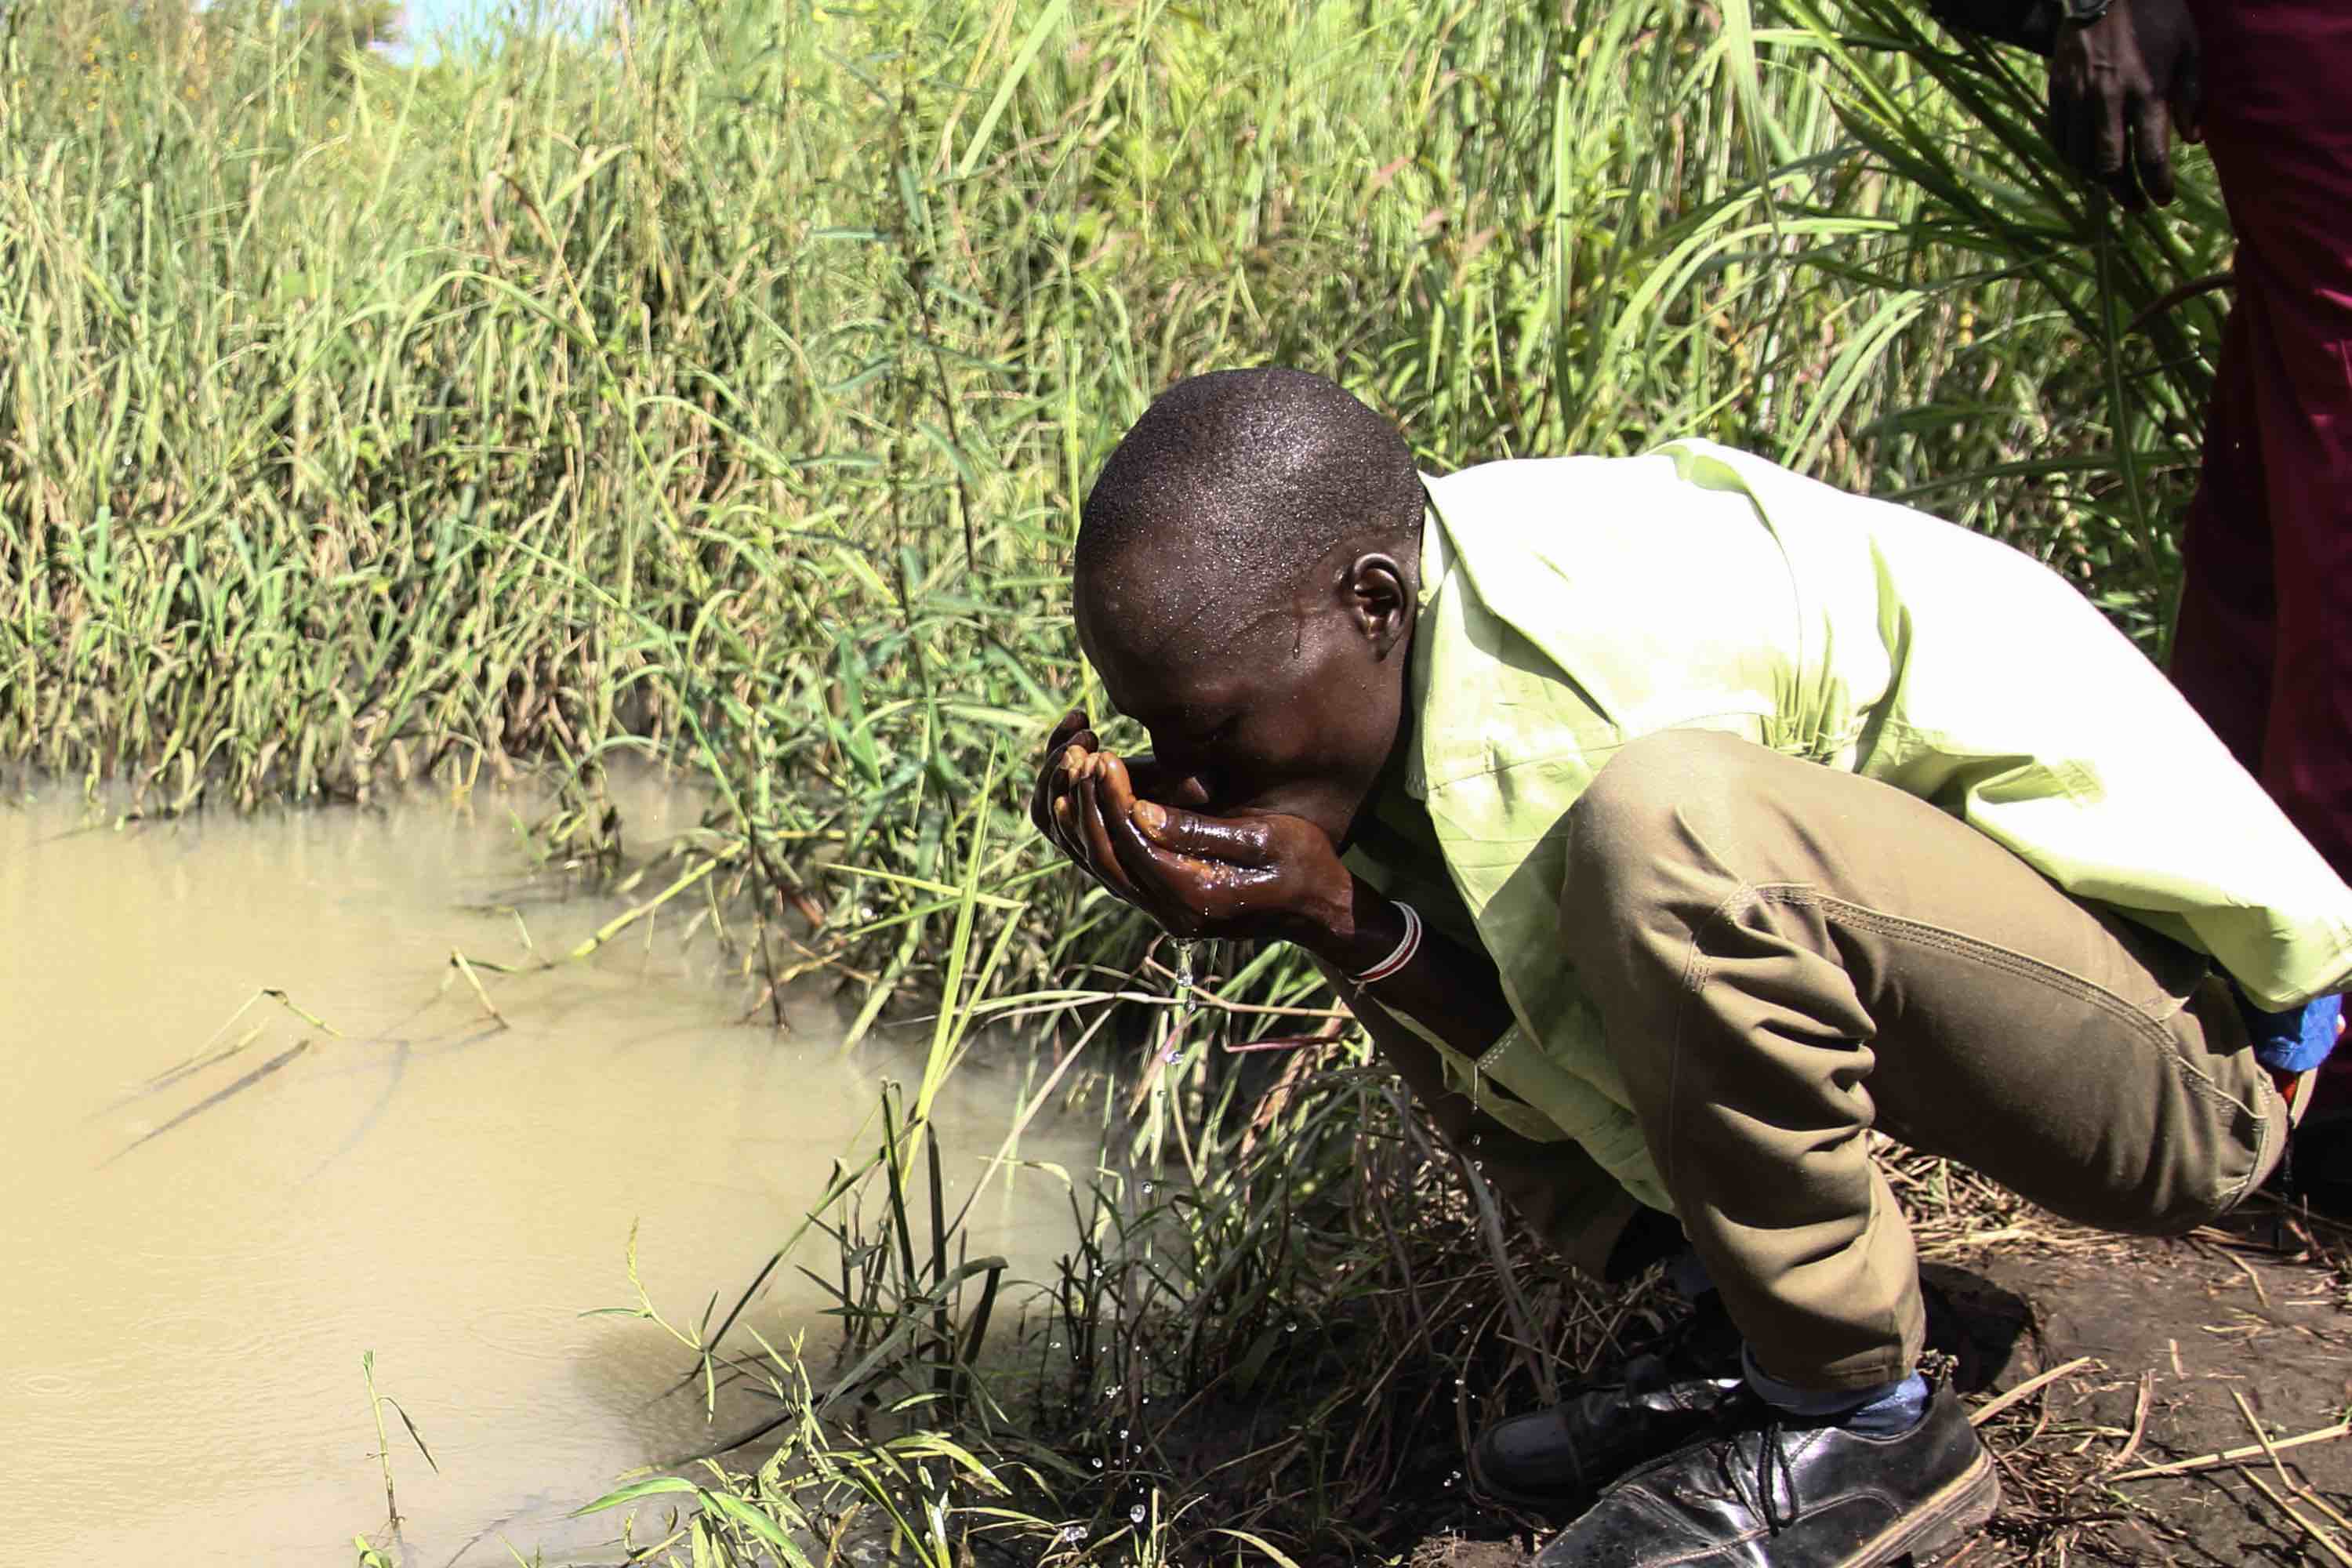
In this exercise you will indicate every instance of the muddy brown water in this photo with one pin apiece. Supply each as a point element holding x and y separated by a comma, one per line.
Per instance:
<point>187,1303</point>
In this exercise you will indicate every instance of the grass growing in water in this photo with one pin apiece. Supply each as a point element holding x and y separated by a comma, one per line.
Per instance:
<point>1260,1362</point>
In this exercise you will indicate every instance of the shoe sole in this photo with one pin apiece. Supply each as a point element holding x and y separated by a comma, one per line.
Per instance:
<point>1940,1526</point>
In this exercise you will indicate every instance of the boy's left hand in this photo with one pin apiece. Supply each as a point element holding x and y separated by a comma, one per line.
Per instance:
<point>1268,879</point>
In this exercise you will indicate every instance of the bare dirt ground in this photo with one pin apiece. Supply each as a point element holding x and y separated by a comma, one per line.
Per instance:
<point>2168,1352</point>
<point>2105,1373</point>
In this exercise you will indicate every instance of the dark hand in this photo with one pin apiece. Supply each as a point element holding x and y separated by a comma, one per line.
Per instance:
<point>1072,737</point>
<point>1273,878</point>
<point>2118,87</point>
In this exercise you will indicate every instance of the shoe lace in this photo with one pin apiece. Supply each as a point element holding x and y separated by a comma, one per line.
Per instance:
<point>1772,1465</point>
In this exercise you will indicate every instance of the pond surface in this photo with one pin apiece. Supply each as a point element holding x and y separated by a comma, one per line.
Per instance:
<point>188,1301</point>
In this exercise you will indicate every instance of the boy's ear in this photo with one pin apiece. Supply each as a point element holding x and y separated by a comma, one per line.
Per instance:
<point>1381,600</point>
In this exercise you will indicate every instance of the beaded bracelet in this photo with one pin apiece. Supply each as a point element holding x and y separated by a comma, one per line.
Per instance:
<point>1409,944</point>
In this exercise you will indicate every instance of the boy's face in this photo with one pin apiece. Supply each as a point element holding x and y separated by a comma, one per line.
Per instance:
<point>1288,708</point>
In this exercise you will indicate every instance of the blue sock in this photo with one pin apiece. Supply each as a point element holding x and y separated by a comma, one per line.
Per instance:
<point>1889,1410</point>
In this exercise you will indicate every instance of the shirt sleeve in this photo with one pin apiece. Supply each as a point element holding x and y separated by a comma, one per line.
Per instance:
<point>1962,670</point>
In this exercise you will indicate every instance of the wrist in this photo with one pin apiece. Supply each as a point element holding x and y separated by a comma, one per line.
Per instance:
<point>1354,932</point>
<point>1365,933</point>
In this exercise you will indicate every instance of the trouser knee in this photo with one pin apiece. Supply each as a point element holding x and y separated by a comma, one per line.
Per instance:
<point>1645,840</point>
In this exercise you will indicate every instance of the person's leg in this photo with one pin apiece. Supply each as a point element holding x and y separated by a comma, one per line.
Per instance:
<point>2282,144</point>
<point>1786,956</point>
<point>2225,637</point>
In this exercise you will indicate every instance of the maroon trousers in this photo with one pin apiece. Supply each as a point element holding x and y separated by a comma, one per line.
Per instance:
<point>2263,649</point>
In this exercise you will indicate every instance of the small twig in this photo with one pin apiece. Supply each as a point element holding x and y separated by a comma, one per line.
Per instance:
<point>2232,1456</point>
<point>2326,1541</point>
<point>2245,1268</point>
<point>2324,1506</point>
<point>2263,1437</point>
<point>2026,1390</point>
<point>2294,1488</point>
<point>2139,1423</point>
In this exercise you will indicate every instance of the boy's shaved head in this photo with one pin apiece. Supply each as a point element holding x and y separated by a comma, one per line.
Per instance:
<point>1247,566</point>
<point>1230,489</point>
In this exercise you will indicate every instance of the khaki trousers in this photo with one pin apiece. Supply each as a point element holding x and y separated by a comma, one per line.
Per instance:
<point>1786,956</point>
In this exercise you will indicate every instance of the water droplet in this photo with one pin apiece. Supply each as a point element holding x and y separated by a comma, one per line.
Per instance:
<point>1137,1514</point>
<point>1122,1434</point>
<point>1185,1002</point>
<point>1098,1464</point>
<point>1290,1328</point>
<point>1147,1189</point>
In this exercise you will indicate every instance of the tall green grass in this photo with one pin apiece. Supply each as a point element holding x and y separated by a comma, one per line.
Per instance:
<point>723,388</point>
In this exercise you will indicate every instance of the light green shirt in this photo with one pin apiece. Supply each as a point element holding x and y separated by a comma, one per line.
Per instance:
<point>1571,605</point>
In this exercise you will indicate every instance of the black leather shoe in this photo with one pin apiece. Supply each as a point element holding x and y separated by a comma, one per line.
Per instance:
<point>1783,1495</point>
<point>1684,1388</point>
<point>1670,1393</point>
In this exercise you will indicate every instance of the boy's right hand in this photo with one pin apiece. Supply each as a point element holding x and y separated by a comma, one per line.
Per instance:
<point>1264,878</point>
<point>1052,781</point>
<point>1055,781</point>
